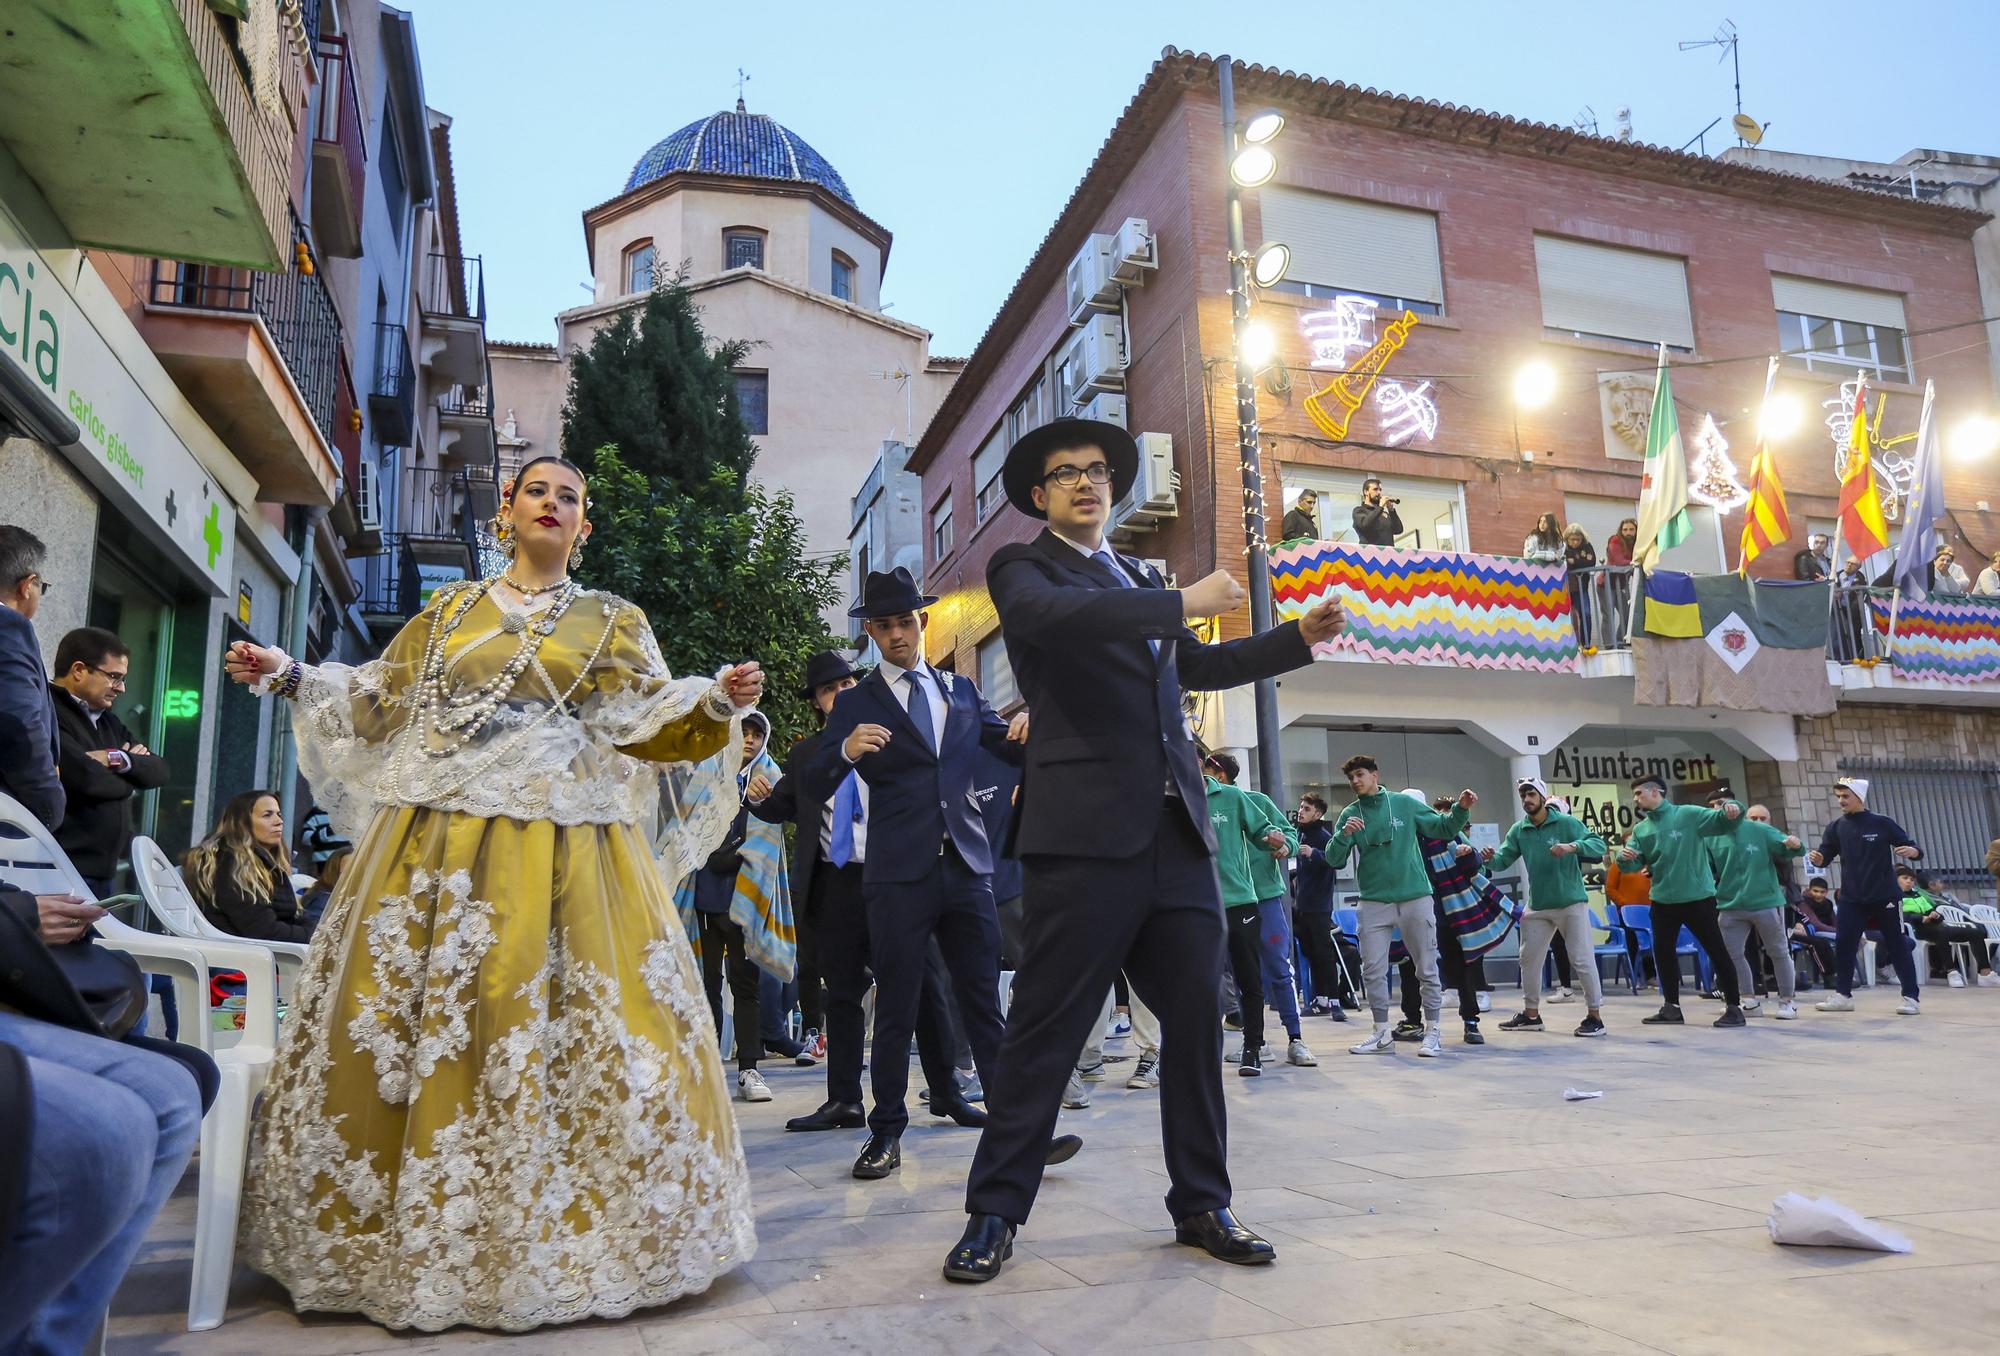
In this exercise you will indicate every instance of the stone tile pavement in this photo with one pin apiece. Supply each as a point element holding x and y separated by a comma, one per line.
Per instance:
<point>1455,1205</point>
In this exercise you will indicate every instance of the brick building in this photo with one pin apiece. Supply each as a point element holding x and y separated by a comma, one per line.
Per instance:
<point>1502,243</point>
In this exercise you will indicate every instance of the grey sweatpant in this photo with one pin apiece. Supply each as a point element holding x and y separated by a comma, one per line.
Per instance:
<point>1769,925</point>
<point>1538,926</point>
<point>1417,919</point>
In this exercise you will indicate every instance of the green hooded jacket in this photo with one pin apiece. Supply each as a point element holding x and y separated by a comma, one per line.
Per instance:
<point>1553,882</point>
<point>1391,865</point>
<point>1267,873</point>
<point>1669,841</point>
<point>1745,860</point>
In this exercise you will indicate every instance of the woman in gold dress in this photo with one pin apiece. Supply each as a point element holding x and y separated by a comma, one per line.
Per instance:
<point>497,1099</point>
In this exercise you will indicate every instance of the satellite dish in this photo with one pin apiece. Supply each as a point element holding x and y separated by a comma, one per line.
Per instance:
<point>1747,128</point>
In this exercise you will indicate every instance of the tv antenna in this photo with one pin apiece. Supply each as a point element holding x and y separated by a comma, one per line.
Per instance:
<point>1748,130</point>
<point>907,386</point>
<point>1585,121</point>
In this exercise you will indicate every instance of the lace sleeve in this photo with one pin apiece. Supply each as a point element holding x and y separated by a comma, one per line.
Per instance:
<point>638,706</point>
<point>344,718</point>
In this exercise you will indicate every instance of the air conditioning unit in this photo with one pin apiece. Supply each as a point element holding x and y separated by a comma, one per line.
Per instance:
<point>1089,284</point>
<point>1155,493</point>
<point>1095,359</point>
<point>368,495</point>
<point>1109,409</point>
<point>1134,251</point>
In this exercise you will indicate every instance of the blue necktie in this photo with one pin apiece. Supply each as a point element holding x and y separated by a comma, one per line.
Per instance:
<point>846,814</point>
<point>920,709</point>
<point>1103,555</point>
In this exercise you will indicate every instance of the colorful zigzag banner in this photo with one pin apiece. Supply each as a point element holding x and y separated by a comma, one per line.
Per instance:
<point>1952,642</point>
<point>1432,607</point>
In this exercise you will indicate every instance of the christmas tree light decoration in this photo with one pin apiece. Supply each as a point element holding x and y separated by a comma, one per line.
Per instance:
<point>1336,332</point>
<point>1407,412</point>
<point>1714,481</point>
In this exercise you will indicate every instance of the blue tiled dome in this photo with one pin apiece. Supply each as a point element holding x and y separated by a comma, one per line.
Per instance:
<point>749,144</point>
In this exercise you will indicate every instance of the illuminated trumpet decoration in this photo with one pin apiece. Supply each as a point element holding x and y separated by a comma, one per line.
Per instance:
<point>1333,407</point>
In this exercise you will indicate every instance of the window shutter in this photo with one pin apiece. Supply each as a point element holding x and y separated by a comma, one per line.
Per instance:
<point>1808,296</point>
<point>1602,289</point>
<point>1365,246</point>
<point>987,461</point>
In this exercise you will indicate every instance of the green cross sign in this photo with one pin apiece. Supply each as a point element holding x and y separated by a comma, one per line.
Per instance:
<point>211,533</point>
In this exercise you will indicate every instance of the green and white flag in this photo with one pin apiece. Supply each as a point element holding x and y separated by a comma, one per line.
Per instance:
<point>1663,494</point>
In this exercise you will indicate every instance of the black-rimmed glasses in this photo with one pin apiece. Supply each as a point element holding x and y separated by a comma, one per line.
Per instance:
<point>1067,476</point>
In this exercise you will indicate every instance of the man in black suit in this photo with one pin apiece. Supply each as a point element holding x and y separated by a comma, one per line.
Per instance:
<point>914,735</point>
<point>102,766</point>
<point>829,846</point>
<point>1113,834</point>
<point>29,747</point>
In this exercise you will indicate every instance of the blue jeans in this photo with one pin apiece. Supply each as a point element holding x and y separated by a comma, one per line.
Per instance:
<point>114,1128</point>
<point>1274,938</point>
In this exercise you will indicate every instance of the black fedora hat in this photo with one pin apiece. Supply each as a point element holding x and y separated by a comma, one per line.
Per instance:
<point>890,594</point>
<point>1022,471</point>
<point>828,666</point>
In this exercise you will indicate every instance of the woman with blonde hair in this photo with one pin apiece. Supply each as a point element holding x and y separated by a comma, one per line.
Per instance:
<point>1579,558</point>
<point>238,875</point>
<point>498,1100</point>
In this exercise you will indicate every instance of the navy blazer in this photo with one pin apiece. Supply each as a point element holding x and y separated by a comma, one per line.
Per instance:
<point>788,803</point>
<point>917,798</point>
<point>30,749</point>
<point>1109,731</point>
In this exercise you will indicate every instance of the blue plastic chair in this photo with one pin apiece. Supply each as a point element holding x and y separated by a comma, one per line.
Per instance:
<point>1613,946</point>
<point>1350,924</point>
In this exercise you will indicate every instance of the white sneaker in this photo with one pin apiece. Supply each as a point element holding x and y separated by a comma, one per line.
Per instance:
<point>1433,1045</point>
<point>1752,1004</point>
<point>1907,1008</point>
<point>1835,1003</point>
<point>1989,980</point>
<point>1146,1073</point>
<point>1121,1026</point>
<point>1296,1053</point>
<point>1786,1012</point>
<point>1560,996</point>
<point>1379,1042</point>
<point>1264,1052</point>
<point>750,1086</point>
<point>1076,1095</point>
<point>1484,999</point>
<point>1954,980</point>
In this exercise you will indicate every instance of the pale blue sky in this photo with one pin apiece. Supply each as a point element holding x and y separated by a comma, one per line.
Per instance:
<point>964,127</point>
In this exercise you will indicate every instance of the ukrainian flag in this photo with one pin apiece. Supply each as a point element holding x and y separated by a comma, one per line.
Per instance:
<point>1671,609</point>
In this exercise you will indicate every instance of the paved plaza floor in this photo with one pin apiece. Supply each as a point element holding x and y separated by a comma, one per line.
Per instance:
<point>1456,1206</point>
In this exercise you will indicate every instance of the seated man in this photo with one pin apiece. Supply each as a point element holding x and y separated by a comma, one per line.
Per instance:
<point>1813,924</point>
<point>1920,910</point>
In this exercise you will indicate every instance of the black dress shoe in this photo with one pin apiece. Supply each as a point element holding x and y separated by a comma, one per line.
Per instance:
<point>1062,1149</point>
<point>830,1116</point>
<point>880,1156</point>
<point>1224,1239</point>
<point>988,1241</point>
<point>960,1110</point>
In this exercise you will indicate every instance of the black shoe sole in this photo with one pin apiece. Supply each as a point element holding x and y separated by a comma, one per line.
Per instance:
<point>1062,1149</point>
<point>829,1125</point>
<point>965,1277</point>
<point>1591,1035</point>
<point>1249,1071</point>
<point>874,1174</point>
<point>1534,1030</point>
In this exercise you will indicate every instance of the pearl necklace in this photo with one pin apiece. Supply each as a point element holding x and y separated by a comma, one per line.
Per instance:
<point>536,592</point>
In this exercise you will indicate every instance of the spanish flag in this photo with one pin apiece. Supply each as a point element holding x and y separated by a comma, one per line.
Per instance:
<point>1671,609</point>
<point>1766,522</point>
<point>1862,525</point>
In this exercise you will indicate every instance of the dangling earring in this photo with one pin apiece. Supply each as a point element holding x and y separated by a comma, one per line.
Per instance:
<point>503,533</point>
<point>576,556</point>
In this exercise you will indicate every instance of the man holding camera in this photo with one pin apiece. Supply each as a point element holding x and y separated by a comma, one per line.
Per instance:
<point>1376,522</point>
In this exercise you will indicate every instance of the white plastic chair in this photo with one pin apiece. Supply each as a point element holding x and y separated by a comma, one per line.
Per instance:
<point>1968,965</point>
<point>170,901</point>
<point>31,860</point>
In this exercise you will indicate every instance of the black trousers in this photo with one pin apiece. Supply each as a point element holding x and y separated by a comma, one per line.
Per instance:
<point>1821,947</point>
<point>1158,916</point>
<point>1698,917</point>
<point>1559,958</point>
<point>722,951</point>
<point>841,936</point>
<point>1321,935</point>
<point>954,904</point>
<point>812,998</point>
<point>1942,937</point>
<point>1452,970</point>
<point>1246,963</point>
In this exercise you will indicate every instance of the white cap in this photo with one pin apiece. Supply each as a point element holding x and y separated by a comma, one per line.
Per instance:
<point>1540,787</point>
<point>1416,793</point>
<point>1858,785</point>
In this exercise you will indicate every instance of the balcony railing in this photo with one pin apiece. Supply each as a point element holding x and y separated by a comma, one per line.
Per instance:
<point>295,306</point>
<point>392,397</point>
<point>455,287</point>
<point>453,505</point>
<point>389,581</point>
<point>340,151</point>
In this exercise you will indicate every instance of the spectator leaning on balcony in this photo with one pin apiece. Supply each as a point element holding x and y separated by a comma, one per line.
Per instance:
<point>1302,519</point>
<point>1376,522</point>
<point>1579,557</point>
<point>1813,562</point>
<point>1618,551</point>
<point>1988,583</point>
<point>1946,574</point>
<point>1544,545</point>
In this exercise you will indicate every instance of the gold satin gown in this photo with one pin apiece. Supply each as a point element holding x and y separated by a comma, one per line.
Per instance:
<point>498,1099</point>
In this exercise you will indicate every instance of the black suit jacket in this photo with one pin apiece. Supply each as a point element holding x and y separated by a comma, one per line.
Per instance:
<point>28,746</point>
<point>917,798</point>
<point>789,803</point>
<point>96,825</point>
<point>1108,730</point>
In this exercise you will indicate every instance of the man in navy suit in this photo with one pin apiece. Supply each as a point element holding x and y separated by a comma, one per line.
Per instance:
<point>1113,834</point>
<point>914,735</point>
<point>30,749</point>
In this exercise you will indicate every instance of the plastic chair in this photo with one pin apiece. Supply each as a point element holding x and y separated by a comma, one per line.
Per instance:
<point>1968,963</point>
<point>167,895</point>
<point>31,860</point>
<point>1613,946</point>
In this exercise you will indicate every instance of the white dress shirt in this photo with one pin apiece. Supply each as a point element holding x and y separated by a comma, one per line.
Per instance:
<point>932,686</point>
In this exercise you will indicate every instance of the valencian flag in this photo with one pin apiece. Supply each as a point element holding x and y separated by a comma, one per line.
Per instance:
<point>1727,640</point>
<point>1766,522</point>
<point>1862,525</point>
<point>1663,494</point>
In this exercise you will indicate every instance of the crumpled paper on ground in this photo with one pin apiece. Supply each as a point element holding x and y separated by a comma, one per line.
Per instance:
<point>1579,1095</point>
<point>1823,1222</point>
